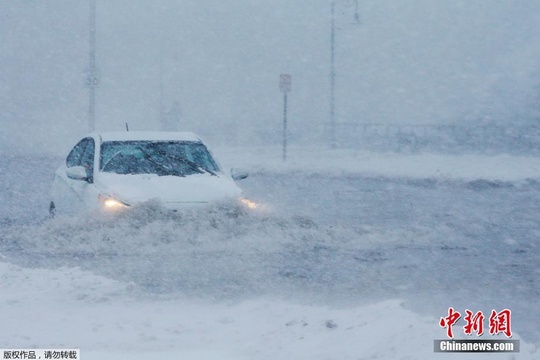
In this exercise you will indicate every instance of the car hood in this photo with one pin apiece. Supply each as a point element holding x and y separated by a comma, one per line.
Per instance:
<point>171,190</point>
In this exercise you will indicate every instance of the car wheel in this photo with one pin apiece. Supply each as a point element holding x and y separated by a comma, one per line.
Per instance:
<point>52,209</point>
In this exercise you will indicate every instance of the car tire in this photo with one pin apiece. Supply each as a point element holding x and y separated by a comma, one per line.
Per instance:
<point>52,209</point>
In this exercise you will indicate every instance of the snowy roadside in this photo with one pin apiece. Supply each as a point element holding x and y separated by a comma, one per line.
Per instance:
<point>342,162</point>
<point>110,319</point>
<point>106,319</point>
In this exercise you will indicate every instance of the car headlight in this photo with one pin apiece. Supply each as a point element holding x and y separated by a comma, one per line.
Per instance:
<point>111,204</point>
<point>252,205</point>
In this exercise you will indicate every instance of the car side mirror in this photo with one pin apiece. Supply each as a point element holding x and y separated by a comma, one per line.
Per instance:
<point>77,173</point>
<point>239,174</point>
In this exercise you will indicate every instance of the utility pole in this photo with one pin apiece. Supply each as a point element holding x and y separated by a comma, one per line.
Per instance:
<point>161,105</point>
<point>333,79</point>
<point>332,124</point>
<point>92,77</point>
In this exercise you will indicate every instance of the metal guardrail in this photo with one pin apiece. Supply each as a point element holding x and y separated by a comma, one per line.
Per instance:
<point>453,138</point>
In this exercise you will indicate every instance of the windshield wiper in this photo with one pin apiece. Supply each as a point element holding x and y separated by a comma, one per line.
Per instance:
<point>192,164</point>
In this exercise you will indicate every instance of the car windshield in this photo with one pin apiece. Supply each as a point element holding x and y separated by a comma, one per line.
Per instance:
<point>178,158</point>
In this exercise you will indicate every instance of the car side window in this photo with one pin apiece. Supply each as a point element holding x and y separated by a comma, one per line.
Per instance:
<point>75,155</point>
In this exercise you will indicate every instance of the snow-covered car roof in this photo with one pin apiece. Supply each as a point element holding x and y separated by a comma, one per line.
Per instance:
<point>148,135</point>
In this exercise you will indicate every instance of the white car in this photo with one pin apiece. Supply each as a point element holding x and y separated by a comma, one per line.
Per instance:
<point>112,171</point>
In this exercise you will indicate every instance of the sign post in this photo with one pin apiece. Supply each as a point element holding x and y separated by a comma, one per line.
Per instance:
<point>285,82</point>
<point>92,76</point>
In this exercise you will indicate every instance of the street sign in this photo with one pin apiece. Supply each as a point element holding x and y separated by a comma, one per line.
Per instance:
<point>92,76</point>
<point>91,82</point>
<point>285,83</point>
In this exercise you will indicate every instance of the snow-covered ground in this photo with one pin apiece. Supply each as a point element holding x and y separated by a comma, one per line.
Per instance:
<point>359,257</point>
<point>106,319</point>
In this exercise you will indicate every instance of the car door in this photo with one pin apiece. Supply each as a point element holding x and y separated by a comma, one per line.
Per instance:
<point>70,195</point>
<point>86,190</point>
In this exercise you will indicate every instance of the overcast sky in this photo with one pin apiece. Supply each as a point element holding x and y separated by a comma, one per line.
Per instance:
<point>415,61</point>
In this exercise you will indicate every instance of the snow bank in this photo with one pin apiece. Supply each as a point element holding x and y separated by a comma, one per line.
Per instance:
<point>106,319</point>
<point>345,161</point>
